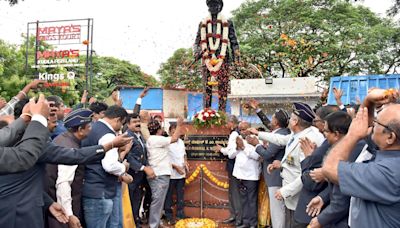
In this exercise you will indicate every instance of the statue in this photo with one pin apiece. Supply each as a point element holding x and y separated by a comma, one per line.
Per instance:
<point>214,35</point>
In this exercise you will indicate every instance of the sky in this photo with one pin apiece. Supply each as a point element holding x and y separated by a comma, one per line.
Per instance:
<point>145,33</point>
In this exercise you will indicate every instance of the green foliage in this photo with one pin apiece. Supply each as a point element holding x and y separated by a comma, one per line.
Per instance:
<point>316,38</point>
<point>180,71</point>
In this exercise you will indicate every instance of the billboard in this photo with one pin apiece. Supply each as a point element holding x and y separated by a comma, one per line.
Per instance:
<point>64,44</point>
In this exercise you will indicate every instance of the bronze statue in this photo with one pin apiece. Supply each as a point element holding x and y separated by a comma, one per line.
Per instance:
<point>214,36</point>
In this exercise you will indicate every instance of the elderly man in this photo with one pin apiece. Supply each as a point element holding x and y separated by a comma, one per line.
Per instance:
<point>300,124</point>
<point>65,181</point>
<point>273,180</point>
<point>247,171</point>
<point>374,184</point>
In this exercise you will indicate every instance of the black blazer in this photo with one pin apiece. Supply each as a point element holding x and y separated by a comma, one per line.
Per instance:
<point>310,188</point>
<point>336,214</point>
<point>271,153</point>
<point>26,152</point>
<point>21,194</point>
<point>137,157</point>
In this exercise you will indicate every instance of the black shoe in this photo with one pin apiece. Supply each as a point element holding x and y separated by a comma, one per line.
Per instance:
<point>170,221</point>
<point>240,224</point>
<point>229,220</point>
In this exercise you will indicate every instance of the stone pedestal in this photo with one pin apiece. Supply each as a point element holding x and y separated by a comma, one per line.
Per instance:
<point>206,199</point>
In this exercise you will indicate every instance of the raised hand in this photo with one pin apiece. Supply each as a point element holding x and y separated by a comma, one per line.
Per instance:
<point>253,104</point>
<point>338,93</point>
<point>121,140</point>
<point>317,175</point>
<point>382,96</point>
<point>144,92</point>
<point>307,146</point>
<point>41,107</point>
<point>359,126</point>
<point>252,140</point>
<point>84,96</point>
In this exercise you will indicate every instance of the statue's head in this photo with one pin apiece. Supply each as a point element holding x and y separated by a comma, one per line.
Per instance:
<point>215,6</point>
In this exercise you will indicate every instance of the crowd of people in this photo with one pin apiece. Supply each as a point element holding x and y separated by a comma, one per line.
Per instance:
<point>327,167</point>
<point>62,170</point>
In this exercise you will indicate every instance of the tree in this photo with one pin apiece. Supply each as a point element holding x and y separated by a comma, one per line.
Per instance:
<point>395,9</point>
<point>316,38</point>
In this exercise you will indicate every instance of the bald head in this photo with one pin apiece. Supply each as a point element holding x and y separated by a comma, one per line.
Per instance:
<point>244,125</point>
<point>388,117</point>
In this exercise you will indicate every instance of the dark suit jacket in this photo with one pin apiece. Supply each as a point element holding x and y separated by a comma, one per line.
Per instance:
<point>336,214</point>
<point>310,188</point>
<point>273,152</point>
<point>26,152</point>
<point>10,134</point>
<point>138,154</point>
<point>21,194</point>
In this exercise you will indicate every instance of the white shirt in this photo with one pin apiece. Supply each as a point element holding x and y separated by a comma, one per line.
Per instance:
<point>247,166</point>
<point>231,147</point>
<point>110,162</point>
<point>66,174</point>
<point>177,154</point>
<point>158,154</point>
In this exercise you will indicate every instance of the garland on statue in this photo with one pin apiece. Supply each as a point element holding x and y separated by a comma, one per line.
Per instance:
<point>208,46</point>
<point>210,176</point>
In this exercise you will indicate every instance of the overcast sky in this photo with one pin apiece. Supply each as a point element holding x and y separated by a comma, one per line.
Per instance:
<point>143,32</point>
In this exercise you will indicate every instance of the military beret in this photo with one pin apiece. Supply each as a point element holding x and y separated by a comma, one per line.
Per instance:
<point>78,117</point>
<point>303,111</point>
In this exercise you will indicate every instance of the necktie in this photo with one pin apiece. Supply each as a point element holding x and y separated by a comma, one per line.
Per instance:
<point>290,141</point>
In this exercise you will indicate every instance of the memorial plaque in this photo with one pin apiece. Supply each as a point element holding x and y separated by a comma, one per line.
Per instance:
<point>200,147</point>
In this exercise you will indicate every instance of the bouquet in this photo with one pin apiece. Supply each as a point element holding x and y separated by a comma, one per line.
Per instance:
<point>208,117</point>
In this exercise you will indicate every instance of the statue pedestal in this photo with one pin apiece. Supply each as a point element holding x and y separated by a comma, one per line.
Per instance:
<point>203,197</point>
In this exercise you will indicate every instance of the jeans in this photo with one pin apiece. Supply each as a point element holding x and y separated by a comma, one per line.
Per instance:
<point>159,189</point>
<point>115,220</point>
<point>97,212</point>
<point>178,185</point>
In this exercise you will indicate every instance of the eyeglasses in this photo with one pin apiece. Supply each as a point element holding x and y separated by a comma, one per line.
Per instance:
<point>386,127</point>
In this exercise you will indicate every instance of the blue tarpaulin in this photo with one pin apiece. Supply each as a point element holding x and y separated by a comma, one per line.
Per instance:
<point>152,101</point>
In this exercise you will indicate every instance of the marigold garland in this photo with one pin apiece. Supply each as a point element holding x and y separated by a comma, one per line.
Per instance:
<point>196,222</point>
<point>210,176</point>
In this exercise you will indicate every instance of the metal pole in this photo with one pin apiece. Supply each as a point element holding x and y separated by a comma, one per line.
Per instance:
<point>91,59</point>
<point>87,56</point>
<point>201,193</point>
<point>37,47</point>
<point>27,49</point>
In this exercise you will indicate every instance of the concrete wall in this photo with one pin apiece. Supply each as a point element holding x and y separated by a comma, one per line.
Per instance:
<point>280,87</point>
<point>174,103</point>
